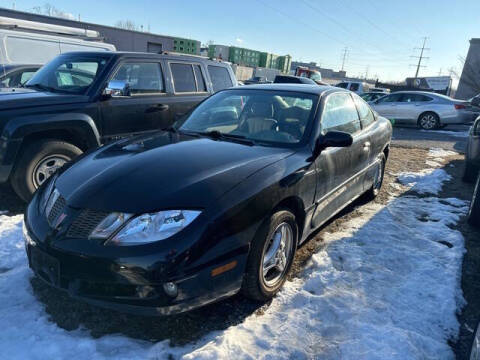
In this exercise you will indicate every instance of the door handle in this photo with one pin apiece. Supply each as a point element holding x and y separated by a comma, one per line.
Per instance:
<point>158,107</point>
<point>366,146</point>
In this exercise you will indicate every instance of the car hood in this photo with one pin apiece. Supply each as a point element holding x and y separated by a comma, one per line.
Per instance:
<point>26,98</point>
<point>163,171</point>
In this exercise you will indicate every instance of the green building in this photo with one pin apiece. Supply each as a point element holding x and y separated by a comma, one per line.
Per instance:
<point>248,57</point>
<point>242,56</point>
<point>186,46</point>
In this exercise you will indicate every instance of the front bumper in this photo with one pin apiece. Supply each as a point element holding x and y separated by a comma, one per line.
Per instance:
<point>133,283</point>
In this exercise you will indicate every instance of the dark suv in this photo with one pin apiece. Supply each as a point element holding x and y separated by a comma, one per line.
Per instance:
<point>81,100</point>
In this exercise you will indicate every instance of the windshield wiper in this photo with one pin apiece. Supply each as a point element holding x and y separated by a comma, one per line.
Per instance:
<point>170,129</point>
<point>217,135</point>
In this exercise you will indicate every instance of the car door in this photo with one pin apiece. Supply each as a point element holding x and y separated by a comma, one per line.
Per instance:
<point>147,108</point>
<point>387,105</point>
<point>339,175</point>
<point>407,108</point>
<point>189,86</point>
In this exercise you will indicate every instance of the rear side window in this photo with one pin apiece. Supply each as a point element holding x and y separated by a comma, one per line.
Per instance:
<point>220,77</point>
<point>201,86</point>
<point>364,111</point>
<point>143,78</point>
<point>390,98</point>
<point>340,114</point>
<point>342,85</point>
<point>183,78</point>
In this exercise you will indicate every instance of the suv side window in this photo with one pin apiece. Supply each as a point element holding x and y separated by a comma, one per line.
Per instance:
<point>183,78</point>
<point>340,114</point>
<point>220,77</point>
<point>143,78</point>
<point>364,111</point>
<point>201,85</point>
<point>354,86</point>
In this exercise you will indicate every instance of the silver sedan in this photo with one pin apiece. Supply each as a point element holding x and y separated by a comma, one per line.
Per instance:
<point>425,109</point>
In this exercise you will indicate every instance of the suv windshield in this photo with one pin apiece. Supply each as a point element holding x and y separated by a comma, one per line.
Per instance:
<point>68,74</point>
<point>262,116</point>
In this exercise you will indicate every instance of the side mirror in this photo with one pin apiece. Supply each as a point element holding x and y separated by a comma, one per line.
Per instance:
<point>332,139</point>
<point>117,88</point>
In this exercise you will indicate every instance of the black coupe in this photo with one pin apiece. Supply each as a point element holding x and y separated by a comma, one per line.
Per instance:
<point>217,204</point>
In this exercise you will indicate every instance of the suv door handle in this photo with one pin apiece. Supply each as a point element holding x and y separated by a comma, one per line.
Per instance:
<point>158,107</point>
<point>366,146</point>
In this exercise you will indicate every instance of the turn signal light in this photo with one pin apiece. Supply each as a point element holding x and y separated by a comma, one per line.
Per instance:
<point>459,106</point>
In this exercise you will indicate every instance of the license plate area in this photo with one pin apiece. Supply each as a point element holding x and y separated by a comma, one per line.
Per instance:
<point>45,266</point>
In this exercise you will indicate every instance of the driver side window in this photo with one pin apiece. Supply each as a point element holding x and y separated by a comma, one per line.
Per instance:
<point>340,114</point>
<point>143,78</point>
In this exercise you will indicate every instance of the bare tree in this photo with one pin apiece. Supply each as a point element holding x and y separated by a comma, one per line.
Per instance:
<point>50,10</point>
<point>127,25</point>
<point>470,75</point>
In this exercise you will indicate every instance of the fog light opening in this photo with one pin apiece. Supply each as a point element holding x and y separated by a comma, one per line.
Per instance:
<point>170,289</point>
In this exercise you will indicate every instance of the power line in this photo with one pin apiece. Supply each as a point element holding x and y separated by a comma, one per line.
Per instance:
<point>421,57</point>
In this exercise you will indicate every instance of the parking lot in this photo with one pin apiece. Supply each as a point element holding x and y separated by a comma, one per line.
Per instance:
<point>351,291</point>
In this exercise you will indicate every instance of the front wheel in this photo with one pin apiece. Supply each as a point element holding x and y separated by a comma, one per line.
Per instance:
<point>37,162</point>
<point>429,121</point>
<point>474,211</point>
<point>271,256</point>
<point>377,179</point>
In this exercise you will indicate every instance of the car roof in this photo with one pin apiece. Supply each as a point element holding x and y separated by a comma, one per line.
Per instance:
<point>305,88</point>
<point>166,55</point>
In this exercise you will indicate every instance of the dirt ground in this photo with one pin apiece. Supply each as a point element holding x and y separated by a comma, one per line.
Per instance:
<point>72,314</point>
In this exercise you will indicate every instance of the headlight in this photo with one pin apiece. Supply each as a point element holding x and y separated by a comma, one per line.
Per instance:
<point>144,228</point>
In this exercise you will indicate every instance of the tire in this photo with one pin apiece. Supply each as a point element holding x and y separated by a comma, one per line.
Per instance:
<point>260,285</point>
<point>37,162</point>
<point>474,210</point>
<point>475,348</point>
<point>469,173</point>
<point>372,193</point>
<point>429,121</point>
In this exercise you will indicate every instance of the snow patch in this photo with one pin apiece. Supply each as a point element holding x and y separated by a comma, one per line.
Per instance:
<point>440,153</point>
<point>428,181</point>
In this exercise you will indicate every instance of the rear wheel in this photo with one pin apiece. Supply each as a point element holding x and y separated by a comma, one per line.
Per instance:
<point>429,121</point>
<point>37,162</point>
<point>271,256</point>
<point>474,211</point>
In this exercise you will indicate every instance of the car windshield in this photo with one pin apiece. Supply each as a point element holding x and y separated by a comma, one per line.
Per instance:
<point>68,74</point>
<point>261,116</point>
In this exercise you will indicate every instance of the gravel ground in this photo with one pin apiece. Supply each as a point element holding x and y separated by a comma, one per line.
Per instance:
<point>180,329</point>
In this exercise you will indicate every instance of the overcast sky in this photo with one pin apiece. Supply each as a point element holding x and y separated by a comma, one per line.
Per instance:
<point>380,35</point>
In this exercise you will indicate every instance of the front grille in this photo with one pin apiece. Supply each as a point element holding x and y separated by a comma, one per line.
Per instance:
<point>84,224</point>
<point>56,210</point>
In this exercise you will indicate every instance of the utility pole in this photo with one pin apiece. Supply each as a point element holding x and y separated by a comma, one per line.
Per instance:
<point>440,72</point>
<point>366,72</point>
<point>421,57</point>
<point>344,57</point>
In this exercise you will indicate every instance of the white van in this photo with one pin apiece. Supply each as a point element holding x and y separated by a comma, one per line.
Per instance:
<point>355,86</point>
<point>25,47</point>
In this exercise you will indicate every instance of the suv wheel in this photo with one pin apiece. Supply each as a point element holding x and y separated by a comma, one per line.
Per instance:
<point>271,256</point>
<point>37,162</point>
<point>429,121</point>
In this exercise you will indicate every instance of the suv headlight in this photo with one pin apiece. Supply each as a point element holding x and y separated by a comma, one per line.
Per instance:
<point>122,229</point>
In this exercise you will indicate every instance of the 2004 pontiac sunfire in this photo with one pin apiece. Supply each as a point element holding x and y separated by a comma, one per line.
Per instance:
<point>217,204</point>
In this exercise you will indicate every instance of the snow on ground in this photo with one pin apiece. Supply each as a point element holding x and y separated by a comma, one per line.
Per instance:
<point>386,287</point>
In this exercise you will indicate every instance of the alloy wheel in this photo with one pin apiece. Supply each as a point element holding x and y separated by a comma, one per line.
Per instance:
<point>46,167</point>
<point>276,254</point>
<point>428,122</point>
